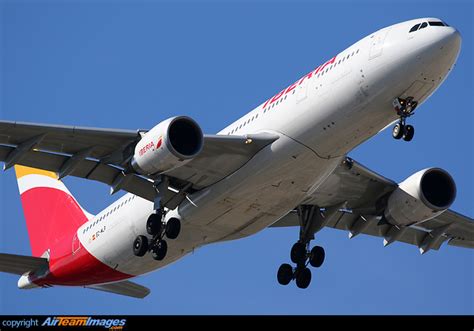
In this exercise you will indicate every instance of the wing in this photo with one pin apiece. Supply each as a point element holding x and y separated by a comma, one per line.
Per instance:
<point>103,155</point>
<point>126,288</point>
<point>20,264</point>
<point>358,189</point>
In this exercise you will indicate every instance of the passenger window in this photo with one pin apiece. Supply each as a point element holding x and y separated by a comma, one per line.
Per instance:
<point>415,27</point>
<point>423,25</point>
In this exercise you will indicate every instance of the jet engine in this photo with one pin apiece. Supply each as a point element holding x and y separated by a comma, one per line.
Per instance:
<point>421,197</point>
<point>169,145</point>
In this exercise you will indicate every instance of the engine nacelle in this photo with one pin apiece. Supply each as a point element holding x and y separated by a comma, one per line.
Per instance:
<point>420,197</point>
<point>169,145</point>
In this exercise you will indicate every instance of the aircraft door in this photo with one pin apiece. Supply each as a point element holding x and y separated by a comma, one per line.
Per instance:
<point>377,42</point>
<point>302,91</point>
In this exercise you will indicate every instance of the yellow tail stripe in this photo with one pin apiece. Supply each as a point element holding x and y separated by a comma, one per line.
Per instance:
<point>23,171</point>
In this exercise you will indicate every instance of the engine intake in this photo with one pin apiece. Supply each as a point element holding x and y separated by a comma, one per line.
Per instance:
<point>185,137</point>
<point>438,189</point>
<point>421,197</point>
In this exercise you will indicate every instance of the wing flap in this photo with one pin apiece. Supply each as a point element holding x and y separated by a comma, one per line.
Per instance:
<point>346,221</point>
<point>461,243</point>
<point>68,139</point>
<point>88,169</point>
<point>20,264</point>
<point>125,288</point>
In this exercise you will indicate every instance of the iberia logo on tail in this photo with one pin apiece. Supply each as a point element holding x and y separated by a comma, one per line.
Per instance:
<point>50,210</point>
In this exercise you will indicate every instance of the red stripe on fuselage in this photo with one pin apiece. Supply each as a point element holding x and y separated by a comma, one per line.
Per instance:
<point>53,218</point>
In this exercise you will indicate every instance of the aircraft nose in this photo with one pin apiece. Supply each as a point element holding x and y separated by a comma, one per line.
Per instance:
<point>452,39</point>
<point>449,45</point>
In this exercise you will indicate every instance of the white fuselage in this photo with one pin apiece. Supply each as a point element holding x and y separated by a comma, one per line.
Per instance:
<point>319,119</point>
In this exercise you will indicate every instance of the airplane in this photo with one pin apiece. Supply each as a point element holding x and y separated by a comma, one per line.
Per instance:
<point>284,164</point>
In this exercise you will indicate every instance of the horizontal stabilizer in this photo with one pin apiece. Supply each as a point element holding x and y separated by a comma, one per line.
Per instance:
<point>20,264</point>
<point>126,288</point>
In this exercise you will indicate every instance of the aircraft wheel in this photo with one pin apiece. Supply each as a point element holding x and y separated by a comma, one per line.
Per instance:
<point>140,246</point>
<point>397,131</point>
<point>303,278</point>
<point>173,227</point>
<point>409,133</point>
<point>298,253</point>
<point>316,258</point>
<point>159,250</point>
<point>285,274</point>
<point>153,224</point>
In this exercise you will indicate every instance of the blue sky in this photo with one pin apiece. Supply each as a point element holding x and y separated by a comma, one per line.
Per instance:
<point>132,64</point>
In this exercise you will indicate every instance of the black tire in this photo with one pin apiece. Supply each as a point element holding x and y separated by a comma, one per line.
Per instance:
<point>409,133</point>
<point>303,278</point>
<point>316,258</point>
<point>159,250</point>
<point>153,224</point>
<point>140,246</point>
<point>285,274</point>
<point>298,253</point>
<point>397,131</point>
<point>173,227</point>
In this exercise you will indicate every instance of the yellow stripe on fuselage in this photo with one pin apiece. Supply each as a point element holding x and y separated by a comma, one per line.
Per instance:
<point>23,171</point>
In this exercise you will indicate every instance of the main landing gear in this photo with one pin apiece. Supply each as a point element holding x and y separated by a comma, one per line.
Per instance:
<point>311,221</point>
<point>158,229</point>
<point>404,108</point>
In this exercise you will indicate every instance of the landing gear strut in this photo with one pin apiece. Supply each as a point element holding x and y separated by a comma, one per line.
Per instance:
<point>311,221</point>
<point>404,108</point>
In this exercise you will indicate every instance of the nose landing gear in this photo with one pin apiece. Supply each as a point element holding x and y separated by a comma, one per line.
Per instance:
<point>404,108</point>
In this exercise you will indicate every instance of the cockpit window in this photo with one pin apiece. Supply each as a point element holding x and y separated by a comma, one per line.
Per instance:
<point>415,27</point>
<point>423,25</point>
<point>436,23</point>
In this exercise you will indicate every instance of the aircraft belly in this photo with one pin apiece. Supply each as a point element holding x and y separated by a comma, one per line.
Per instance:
<point>275,181</point>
